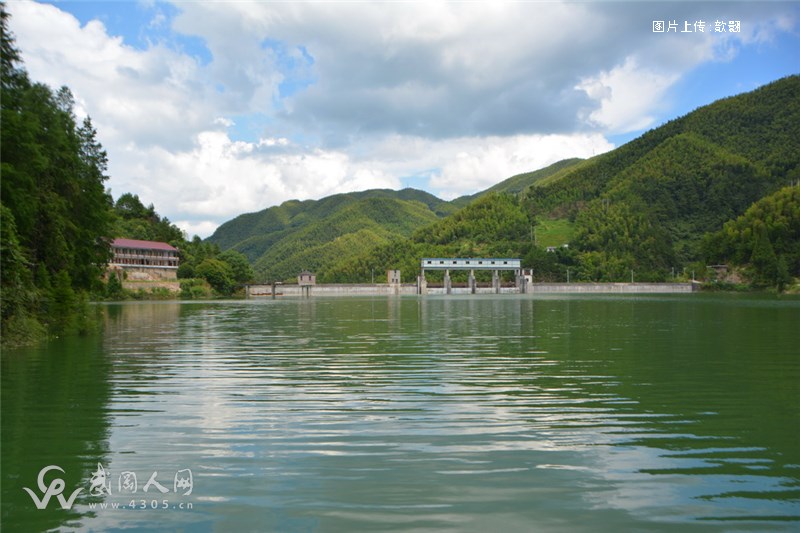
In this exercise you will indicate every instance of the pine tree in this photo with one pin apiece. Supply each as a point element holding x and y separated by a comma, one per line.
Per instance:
<point>763,259</point>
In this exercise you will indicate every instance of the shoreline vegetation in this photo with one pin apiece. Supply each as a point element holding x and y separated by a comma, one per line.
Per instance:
<point>719,186</point>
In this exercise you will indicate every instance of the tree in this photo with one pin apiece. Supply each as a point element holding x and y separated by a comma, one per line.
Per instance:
<point>763,259</point>
<point>768,231</point>
<point>615,238</point>
<point>17,285</point>
<point>192,254</point>
<point>61,305</point>
<point>129,206</point>
<point>114,286</point>
<point>242,271</point>
<point>782,277</point>
<point>218,274</point>
<point>135,221</point>
<point>54,204</point>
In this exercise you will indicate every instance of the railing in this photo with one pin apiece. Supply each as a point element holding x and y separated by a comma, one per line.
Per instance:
<point>144,255</point>
<point>142,265</point>
<point>470,263</point>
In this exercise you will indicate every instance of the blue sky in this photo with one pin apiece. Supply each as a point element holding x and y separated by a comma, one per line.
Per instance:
<point>213,109</point>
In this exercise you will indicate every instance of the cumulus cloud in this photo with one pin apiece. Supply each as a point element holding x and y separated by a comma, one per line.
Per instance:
<point>220,177</point>
<point>157,97</point>
<point>302,100</point>
<point>478,164</point>
<point>628,95</point>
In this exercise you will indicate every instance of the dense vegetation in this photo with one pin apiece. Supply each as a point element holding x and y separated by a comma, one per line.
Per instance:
<point>351,237</point>
<point>493,225</point>
<point>283,240</point>
<point>56,214</point>
<point>135,221</point>
<point>765,240</point>
<point>647,205</point>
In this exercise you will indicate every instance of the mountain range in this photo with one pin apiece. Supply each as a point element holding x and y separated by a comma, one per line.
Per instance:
<point>647,206</point>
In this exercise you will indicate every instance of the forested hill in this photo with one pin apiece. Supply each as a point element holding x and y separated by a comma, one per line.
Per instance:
<point>644,208</point>
<point>646,205</point>
<point>761,126</point>
<point>296,235</point>
<point>766,239</point>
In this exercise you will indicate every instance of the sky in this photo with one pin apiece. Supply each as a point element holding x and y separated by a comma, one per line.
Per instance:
<point>213,109</point>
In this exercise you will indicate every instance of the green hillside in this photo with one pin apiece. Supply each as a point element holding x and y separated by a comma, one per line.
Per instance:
<point>294,214</point>
<point>765,240</point>
<point>644,208</point>
<point>282,240</point>
<point>493,225</point>
<point>762,126</point>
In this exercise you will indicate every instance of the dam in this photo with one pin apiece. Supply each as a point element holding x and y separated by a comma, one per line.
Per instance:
<point>410,289</point>
<point>307,285</point>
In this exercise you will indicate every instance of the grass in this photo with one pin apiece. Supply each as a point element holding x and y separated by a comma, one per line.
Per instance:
<point>553,232</point>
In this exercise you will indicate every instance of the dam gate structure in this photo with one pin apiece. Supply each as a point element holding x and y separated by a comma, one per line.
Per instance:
<point>495,265</point>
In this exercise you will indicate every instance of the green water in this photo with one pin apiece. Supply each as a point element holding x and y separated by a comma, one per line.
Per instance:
<point>498,413</point>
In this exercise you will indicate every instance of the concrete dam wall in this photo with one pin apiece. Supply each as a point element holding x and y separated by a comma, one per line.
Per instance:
<point>610,288</point>
<point>378,289</point>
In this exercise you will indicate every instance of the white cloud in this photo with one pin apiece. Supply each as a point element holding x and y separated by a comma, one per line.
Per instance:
<point>197,227</point>
<point>221,178</point>
<point>628,96</point>
<point>481,163</point>
<point>153,97</point>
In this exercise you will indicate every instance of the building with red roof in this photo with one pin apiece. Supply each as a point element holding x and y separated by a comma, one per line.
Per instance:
<point>144,260</point>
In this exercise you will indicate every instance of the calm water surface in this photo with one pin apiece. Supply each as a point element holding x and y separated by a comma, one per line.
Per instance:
<point>506,413</point>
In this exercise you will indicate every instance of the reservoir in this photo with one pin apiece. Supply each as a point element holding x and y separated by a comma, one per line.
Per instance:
<point>405,413</point>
